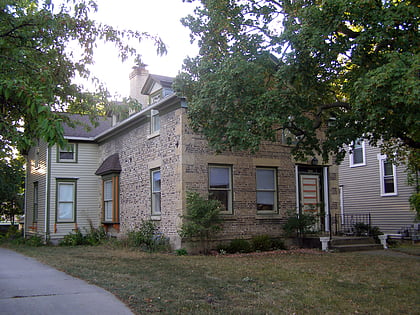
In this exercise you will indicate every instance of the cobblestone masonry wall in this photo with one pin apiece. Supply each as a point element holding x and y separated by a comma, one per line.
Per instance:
<point>184,158</point>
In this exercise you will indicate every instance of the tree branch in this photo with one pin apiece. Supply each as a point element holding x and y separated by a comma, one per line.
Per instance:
<point>342,28</point>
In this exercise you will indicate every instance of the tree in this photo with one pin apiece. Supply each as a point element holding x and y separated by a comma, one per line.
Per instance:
<point>42,49</point>
<point>12,176</point>
<point>344,69</point>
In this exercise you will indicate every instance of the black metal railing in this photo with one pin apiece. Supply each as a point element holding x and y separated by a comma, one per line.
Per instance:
<point>351,224</point>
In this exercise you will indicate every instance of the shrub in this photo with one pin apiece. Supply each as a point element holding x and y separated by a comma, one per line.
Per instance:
<point>261,243</point>
<point>95,236</point>
<point>299,224</point>
<point>73,239</point>
<point>278,243</point>
<point>148,238</point>
<point>34,241</point>
<point>181,252</point>
<point>202,219</point>
<point>239,246</point>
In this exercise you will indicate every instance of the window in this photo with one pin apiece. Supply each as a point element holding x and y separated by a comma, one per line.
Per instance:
<point>220,185</point>
<point>35,212</point>
<point>66,200</point>
<point>156,193</point>
<point>154,121</point>
<point>67,154</point>
<point>108,200</point>
<point>357,155</point>
<point>266,189</point>
<point>388,178</point>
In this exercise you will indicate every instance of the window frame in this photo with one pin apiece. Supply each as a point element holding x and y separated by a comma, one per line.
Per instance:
<point>274,190</point>
<point>156,195</point>
<point>35,202</point>
<point>383,177</point>
<point>73,183</point>
<point>112,215</point>
<point>229,189</point>
<point>154,122</point>
<point>363,154</point>
<point>61,150</point>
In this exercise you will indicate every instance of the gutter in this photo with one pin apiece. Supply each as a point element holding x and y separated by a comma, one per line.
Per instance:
<point>140,116</point>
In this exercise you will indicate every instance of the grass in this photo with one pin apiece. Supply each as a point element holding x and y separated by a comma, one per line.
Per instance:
<point>286,283</point>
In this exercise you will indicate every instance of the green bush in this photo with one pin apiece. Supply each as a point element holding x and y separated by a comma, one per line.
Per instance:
<point>278,243</point>
<point>202,219</point>
<point>181,252</point>
<point>148,238</point>
<point>239,246</point>
<point>95,236</point>
<point>261,243</point>
<point>73,239</point>
<point>34,241</point>
<point>299,224</point>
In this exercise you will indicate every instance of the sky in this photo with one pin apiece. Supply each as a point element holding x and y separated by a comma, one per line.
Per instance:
<point>158,17</point>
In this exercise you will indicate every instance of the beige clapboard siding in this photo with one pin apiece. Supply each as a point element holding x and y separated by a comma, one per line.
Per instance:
<point>88,186</point>
<point>36,174</point>
<point>362,193</point>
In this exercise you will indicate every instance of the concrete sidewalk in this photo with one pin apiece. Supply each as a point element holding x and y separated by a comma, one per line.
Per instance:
<point>29,287</point>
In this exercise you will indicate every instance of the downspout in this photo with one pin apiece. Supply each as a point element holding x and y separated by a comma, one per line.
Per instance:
<point>25,205</point>
<point>47,198</point>
<point>297,188</point>
<point>326,199</point>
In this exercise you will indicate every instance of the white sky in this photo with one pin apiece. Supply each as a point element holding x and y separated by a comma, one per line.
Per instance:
<point>160,17</point>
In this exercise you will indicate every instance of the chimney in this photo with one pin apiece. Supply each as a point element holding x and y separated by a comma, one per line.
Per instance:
<point>137,80</point>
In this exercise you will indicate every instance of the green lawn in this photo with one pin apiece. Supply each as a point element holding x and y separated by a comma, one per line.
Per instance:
<point>283,283</point>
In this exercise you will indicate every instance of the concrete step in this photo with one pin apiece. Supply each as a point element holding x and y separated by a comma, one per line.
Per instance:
<point>352,241</point>
<point>356,247</point>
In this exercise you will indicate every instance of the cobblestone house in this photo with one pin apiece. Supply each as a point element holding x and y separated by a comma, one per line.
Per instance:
<point>147,162</point>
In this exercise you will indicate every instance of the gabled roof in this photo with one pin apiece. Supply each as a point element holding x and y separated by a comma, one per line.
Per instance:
<point>109,166</point>
<point>84,128</point>
<point>165,82</point>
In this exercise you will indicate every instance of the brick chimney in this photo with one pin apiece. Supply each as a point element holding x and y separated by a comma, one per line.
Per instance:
<point>137,80</point>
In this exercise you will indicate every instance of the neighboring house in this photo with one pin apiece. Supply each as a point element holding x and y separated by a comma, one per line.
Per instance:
<point>142,167</point>
<point>371,185</point>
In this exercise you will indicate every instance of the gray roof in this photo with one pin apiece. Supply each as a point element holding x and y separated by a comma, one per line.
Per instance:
<point>110,165</point>
<point>164,81</point>
<point>83,126</point>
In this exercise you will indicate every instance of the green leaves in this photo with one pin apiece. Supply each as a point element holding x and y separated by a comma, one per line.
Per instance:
<point>352,62</point>
<point>39,60</point>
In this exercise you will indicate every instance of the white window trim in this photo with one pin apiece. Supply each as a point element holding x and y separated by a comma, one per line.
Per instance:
<point>108,201</point>
<point>153,192</point>
<point>73,202</point>
<point>74,159</point>
<point>352,164</point>
<point>154,114</point>
<point>229,189</point>
<point>382,158</point>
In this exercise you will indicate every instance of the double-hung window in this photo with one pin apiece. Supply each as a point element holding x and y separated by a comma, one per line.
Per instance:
<point>388,178</point>
<point>35,197</point>
<point>220,186</point>
<point>266,190</point>
<point>67,154</point>
<point>156,192</point>
<point>357,155</point>
<point>108,200</point>
<point>66,200</point>
<point>154,121</point>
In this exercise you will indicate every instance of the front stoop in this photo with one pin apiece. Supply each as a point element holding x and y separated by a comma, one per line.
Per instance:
<point>353,244</point>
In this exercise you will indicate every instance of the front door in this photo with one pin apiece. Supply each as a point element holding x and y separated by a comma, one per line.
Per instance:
<point>310,193</point>
<point>310,197</point>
